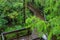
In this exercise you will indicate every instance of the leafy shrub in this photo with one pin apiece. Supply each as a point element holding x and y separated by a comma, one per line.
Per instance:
<point>37,23</point>
<point>11,13</point>
<point>10,9</point>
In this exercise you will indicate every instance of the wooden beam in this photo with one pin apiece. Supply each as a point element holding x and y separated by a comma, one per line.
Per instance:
<point>4,33</point>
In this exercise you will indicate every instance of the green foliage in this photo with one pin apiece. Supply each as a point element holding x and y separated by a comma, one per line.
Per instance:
<point>11,14</point>
<point>9,29</point>
<point>10,10</point>
<point>37,23</point>
<point>51,8</point>
<point>10,36</point>
<point>12,17</point>
<point>55,27</point>
<point>28,13</point>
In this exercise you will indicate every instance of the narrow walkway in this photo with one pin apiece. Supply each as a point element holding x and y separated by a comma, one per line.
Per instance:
<point>35,11</point>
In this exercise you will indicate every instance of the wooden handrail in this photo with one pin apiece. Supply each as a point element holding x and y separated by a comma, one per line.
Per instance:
<point>4,33</point>
<point>16,31</point>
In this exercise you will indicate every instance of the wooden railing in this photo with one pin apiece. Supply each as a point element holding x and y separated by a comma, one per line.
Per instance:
<point>16,31</point>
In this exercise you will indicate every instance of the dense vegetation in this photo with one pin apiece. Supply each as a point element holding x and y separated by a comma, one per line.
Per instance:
<point>51,11</point>
<point>12,17</point>
<point>10,13</point>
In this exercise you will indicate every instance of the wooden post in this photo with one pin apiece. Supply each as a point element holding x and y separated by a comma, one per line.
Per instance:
<point>2,36</point>
<point>25,6</point>
<point>29,31</point>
